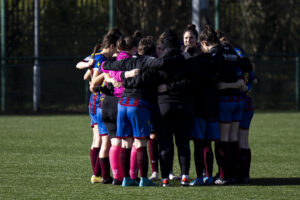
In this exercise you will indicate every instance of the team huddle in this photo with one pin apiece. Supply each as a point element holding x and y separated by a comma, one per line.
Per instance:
<point>145,94</point>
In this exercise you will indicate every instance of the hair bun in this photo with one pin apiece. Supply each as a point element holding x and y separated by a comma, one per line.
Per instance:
<point>137,34</point>
<point>191,26</point>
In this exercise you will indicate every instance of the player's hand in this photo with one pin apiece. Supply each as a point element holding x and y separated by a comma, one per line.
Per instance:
<point>117,84</point>
<point>244,88</point>
<point>162,88</point>
<point>222,86</point>
<point>186,55</point>
<point>91,63</point>
<point>132,73</point>
<point>92,88</point>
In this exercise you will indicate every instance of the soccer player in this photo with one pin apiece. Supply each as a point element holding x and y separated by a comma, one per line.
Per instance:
<point>243,135</point>
<point>126,47</point>
<point>109,48</point>
<point>205,127</point>
<point>230,105</point>
<point>89,63</point>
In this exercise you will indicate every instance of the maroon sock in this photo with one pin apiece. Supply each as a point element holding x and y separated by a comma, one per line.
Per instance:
<point>234,152</point>
<point>142,161</point>
<point>245,159</point>
<point>198,157</point>
<point>105,167</point>
<point>125,161</point>
<point>94,155</point>
<point>208,158</point>
<point>153,154</point>
<point>97,167</point>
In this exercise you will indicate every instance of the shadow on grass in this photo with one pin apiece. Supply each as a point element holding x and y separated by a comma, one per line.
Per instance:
<point>274,181</point>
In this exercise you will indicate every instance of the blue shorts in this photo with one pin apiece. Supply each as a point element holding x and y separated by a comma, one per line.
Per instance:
<point>133,118</point>
<point>212,130</point>
<point>230,109</point>
<point>199,128</point>
<point>205,129</point>
<point>247,113</point>
<point>101,126</point>
<point>93,119</point>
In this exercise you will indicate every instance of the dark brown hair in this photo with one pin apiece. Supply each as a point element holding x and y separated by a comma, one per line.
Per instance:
<point>96,49</point>
<point>116,31</point>
<point>209,36</point>
<point>224,39</point>
<point>146,46</point>
<point>137,35</point>
<point>126,43</point>
<point>110,39</point>
<point>170,39</point>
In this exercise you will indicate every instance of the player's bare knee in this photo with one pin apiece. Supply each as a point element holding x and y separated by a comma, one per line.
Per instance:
<point>138,143</point>
<point>127,143</point>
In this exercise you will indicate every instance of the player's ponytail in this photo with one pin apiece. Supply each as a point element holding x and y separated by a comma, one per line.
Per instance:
<point>126,43</point>
<point>96,49</point>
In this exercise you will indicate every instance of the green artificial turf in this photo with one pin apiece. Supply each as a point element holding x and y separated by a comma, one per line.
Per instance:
<point>47,157</point>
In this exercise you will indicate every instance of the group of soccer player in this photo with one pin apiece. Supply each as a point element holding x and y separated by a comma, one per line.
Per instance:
<point>146,94</point>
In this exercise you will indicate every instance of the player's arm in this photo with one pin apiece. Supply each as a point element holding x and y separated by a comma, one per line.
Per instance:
<point>148,78</point>
<point>239,84</point>
<point>164,62</point>
<point>252,82</point>
<point>96,82</point>
<point>87,75</point>
<point>120,65</point>
<point>85,64</point>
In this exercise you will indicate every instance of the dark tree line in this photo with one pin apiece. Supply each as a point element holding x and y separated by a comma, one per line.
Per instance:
<point>72,27</point>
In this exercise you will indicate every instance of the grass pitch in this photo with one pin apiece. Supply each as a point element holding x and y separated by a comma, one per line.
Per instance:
<point>47,157</point>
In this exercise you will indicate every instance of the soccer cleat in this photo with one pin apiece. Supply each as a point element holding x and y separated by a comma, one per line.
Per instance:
<point>96,179</point>
<point>197,182</point>
<point>127,181</point>
<point>154,176</point>
<point>116,182</point>
<point>220,181</point>
<point>231,180</point>
<point>172,176</point>
<point>165,182</point>
<point>184,181</point>
<point>146,182</point>
<point>208,180</point>
<point>107,181</point>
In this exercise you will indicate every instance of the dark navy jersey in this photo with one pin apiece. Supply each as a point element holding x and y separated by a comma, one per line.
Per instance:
<point>228,67</point>
<point>248,75</point>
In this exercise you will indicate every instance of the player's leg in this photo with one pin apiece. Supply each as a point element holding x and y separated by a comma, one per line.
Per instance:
<point>197,134</point>
<point>165,141</point>
<point>226,108</point>
<point>183,122</point>
<point>95,149</point>
<point>245,151</point>
<point>212,134</point>
<point>139,117</point>
<point>153,155</point>
<point>109,117</point>
<point>233,139</point>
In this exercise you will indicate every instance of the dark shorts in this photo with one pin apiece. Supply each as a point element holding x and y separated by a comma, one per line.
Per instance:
<point>109,114</point>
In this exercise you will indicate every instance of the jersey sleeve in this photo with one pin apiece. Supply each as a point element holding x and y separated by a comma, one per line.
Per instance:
<point>87,59</point>
<point>98,62</point>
